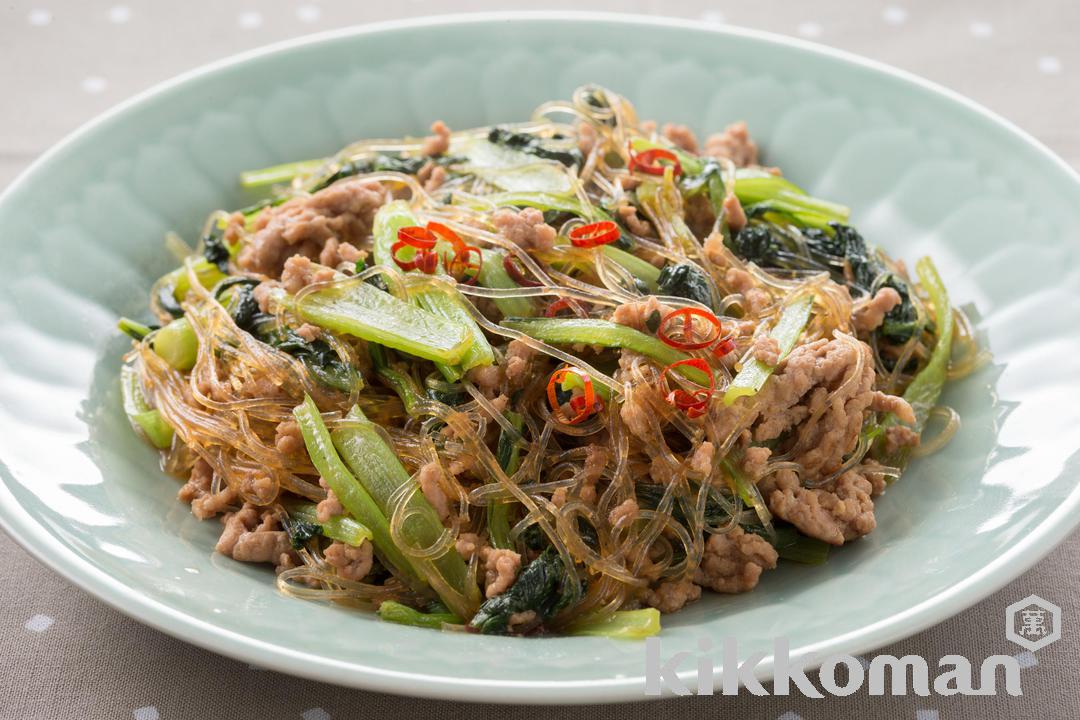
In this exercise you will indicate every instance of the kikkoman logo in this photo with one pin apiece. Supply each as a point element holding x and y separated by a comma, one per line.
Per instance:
<point>1032,623</point>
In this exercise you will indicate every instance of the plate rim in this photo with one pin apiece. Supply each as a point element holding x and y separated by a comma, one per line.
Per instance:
<point>48,550</point>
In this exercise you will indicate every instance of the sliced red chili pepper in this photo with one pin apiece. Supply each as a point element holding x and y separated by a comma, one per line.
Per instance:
<point>461,268</point>
<point>593,234</point>
<point>694,403</point>
<point>424,260</point>
<point>417,237</point>
<point>583,405</point>
<point>678,330</point>
<point>565,304</point>
<point>517,273</point>
<point>649,162</point>
<point>440,231</point>
<point>723,347</point>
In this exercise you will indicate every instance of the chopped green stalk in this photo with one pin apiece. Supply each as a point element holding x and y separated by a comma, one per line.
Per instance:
<point>380,472</point>
<point>364,311</point>
<point>621,624</point>
<point>792,545</point>
<point>923,392</point>
<point>786,332</point>
<point>448,304</point>
<point>133,329</point>
<point>775,192</point>
<point>592,331</point>
<point>395,612</point>
<point>352,495</point>
<point>508,454</point>
<point>143,418</point>
<point>178,280</point>
<point>176,344</point>
<point>278,173</point>
<point>338,527</point>
<point>493,275</point>
<point>439,301</point>
<point>400,382</point>
<point>540,201</point>
<point>641,269</point>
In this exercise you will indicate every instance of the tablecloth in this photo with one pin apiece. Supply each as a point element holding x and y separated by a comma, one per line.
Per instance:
<point>63,654</point>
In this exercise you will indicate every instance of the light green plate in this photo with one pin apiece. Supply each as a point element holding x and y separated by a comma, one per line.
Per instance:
<point>924,170</point>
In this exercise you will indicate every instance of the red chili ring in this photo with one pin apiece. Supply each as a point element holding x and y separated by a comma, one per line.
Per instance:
<point>513,268</point>
<point>422,259</point>
<point>417,237</point>
<point>687,315</point>
<point>565,304</point>
<point>584,405</point>
<point>593,234</point>
<point>647,162</point>
<point>694,403</point>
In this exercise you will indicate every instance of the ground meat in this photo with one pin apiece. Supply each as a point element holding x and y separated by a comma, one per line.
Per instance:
<point>438,142</point>
<point>733,561</point>
<point>261,293</point>
<point>352,563</point>
<point>517,363</point>
<point>840,511</point>
<point>468,544</point>
<point>639,407</point>
<point>755,460</point>
<point>430,477</point>
<point>431,176</point>
<point>702,459</point>
<point>898,437</point>
<point>682,136</point>
<point>898,406</point>
<point>628,214</point>
<point>309,332</point>
<point>734,213</point>
<point>637,313</point>
<point>766,350</point>
<point>336,253</point>
<point>487,378</point>
<point>672,595</point>
<point>525,228</point>
<point>500,570</point>
<point>586,137</point>
<point>303,226</point>
<point>299,272</point>
<point>252,534</point>
<point>196,491</point>
<point>733,143</point>
<point>287,438</point>
<point>869,315</point>
<point>741,281</point>
<point>596,459</point>
<point>329,507</point>
<point>624,513</point>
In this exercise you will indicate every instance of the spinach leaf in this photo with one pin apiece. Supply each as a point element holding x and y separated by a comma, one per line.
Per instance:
<point>542,587</point>
<point>533,145</point>
<point>685,280</point>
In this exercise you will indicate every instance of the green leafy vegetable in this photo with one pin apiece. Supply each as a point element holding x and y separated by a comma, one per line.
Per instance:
<point>786,332</point>
<point>395,612</point>
<point>352,495</point>
<point>621,624</point>
<point>378,469</point>
<point>534,145</point>
<point>145,420</point>
<point>542,587</point>
<point>685,280</point>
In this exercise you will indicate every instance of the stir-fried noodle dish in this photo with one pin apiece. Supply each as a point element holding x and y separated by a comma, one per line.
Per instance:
<point>557,376</point>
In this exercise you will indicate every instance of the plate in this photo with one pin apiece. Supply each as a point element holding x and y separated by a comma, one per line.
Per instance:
<point>925,171</point>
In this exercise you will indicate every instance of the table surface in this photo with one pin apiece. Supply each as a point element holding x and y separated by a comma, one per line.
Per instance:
<point>63,654</point>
